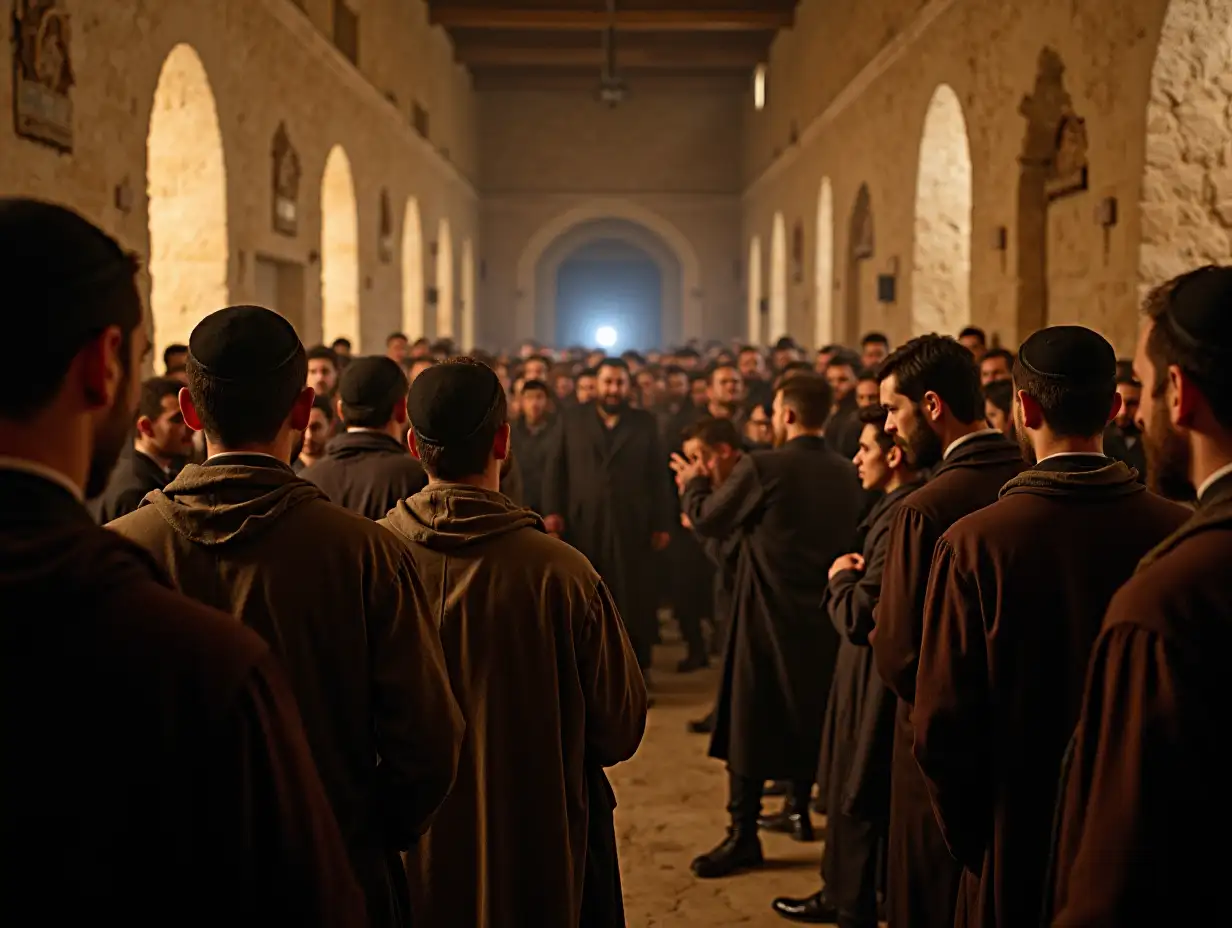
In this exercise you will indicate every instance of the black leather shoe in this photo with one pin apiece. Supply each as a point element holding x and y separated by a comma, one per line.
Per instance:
<point>813,910</point>
<point>693,663</point>
<point>740,850</point>
<point>701,726</point>
<point>796,824</point>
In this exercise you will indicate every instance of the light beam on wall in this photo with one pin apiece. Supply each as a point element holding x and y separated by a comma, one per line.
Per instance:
<point>605,336</point>
<point>759,87</point>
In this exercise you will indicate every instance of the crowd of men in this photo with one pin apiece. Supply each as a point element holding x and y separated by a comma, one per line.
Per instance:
<point>291,678</point>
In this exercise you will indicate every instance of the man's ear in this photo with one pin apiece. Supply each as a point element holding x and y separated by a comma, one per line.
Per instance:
<point>502,442</point>
<point>1115,409</point>
<point>1032,414</point>
<point>932,406</point>
<point>1182,397</point>
<point>301,412</point>
<point>145,426</point>
<point>894,457</point>
<point>411,444</point>
<point>400,415</point>
<point>191,419</point>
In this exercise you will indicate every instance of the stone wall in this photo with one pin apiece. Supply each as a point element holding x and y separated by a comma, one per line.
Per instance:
<point>268,62</point>
<point>853,111</point>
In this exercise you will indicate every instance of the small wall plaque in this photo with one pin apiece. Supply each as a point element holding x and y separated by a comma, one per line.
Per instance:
<point>287,175</point>
<point>43,73</point>
<point>887,288</point>
<point>385,237</point>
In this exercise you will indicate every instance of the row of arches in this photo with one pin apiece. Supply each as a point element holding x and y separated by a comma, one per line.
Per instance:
<point>190,251</point>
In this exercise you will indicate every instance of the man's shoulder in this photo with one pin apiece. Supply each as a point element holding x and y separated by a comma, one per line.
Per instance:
<point>142,522</point>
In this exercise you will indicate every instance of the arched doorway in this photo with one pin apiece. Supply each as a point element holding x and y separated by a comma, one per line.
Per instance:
<point>823,324</point>
<point>754,294</point>
<point>444,280</point>
<point>941,269</point>
<point>778,280</point>
<point>860,248</point>
<point>1188,130</point>
<point>467,271</point>
<point>339,251</point>
<point>609,295</point>
<point>412,271</point>
<point>187,184</point>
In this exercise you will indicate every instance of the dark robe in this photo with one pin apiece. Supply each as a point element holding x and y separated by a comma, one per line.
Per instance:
<point>1146,791</point>
<point>612,488</point>
<point>135,475</point>
<point>338,598</point>
<point>922,879</point>
<point>1015,600</point>
<point>843,428</point>
<point>794,511</point>
<point>532,449</point>
<point>147,739</point>
<point>1126,446</point>
<point>367,472</point>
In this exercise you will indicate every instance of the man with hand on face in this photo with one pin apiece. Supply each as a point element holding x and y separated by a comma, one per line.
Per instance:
<point>606,491</point>
<point>858,733</point>
<point>791,511</point>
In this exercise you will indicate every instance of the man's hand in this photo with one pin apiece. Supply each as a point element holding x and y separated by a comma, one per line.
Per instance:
<point>684,520</point>
<point>660,540</point>
<point>555,525</point>
<point>846,562</point>
<point>686,470</point>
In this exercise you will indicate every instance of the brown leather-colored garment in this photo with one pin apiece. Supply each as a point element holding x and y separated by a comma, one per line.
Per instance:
<point>338,600</point>
<point>1015,601</point>
<point>1148,785</point>
<point>155,767</point>
<point>922,878</point>
<point>552,694</point>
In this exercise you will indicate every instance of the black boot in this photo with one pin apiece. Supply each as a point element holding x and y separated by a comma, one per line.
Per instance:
<point>740,850</point>
<point>790,822</point>
<point>812,910</point>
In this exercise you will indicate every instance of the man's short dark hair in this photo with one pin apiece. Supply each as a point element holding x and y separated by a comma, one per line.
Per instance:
<point>1125,372</point>
<point>714,432</point>
<point>844,358</point>
<point>1198,344</point>
<point>876,417</point>
<point>171,351</point>
<point>874,338</point>
<point>536,386</point>
<point>470,457</point>
<point>322,353</point>
<point>322,403</point>
<point>940,364</point>
<point>810,397</point>
<point>994,353</point>
<point>152,392</point>
<point>674,370</point>
<point>868,375</point>
<point>394,337</point>
<point>1001,394</point>
<point>587,372</point>
<point>541,358</point>
<point>1070,410</point>
<point>344,342</point>
<point>620,363</point>
<point>974,331</point>
<point>720,366</point>
<point>633,357</point>
<point>749,349</point>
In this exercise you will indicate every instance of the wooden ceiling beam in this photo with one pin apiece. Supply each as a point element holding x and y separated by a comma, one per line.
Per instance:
<point>480,55</point>
<point>690,20</point>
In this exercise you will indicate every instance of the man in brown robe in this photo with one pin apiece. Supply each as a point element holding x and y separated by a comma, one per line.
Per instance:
<point>333,593</point>
<point>1149,763</point>
<point>930,388</point>
<point>1015,600</point>
<point>543,669</point>
<point>155,767</point>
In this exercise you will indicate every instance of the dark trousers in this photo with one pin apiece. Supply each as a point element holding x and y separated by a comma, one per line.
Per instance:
<point>850,868</point>
<point>744,799</point>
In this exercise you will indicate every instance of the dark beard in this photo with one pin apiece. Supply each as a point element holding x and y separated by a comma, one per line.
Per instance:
<point>922,447</point>
<point>109,441</point>
<point>1167,457</point>
<point>1024,441</point>
<point>613,406</point>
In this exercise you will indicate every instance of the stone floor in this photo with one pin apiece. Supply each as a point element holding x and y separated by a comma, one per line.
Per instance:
<point>671,807</point>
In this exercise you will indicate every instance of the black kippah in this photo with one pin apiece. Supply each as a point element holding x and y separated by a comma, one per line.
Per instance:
<point>369,382</point>
<point>243,343</point>
<point>452,402</point>
<point>1200,309</point>
<point>1069,354</point>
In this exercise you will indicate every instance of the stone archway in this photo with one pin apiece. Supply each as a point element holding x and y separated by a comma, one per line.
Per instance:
<point>187,184</point>
<point>755,291</point>
<point>467,282</point>
<point>1186,188</point>
<point>778,280</point>
<point>444,280</point>
<point>412,271</point>
<point>339,251</point>
<point>861,246</point>
<point>823,323</point>
<point>941,267</point>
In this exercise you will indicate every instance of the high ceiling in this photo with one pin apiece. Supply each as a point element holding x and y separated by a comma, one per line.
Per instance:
<point>561,44</point>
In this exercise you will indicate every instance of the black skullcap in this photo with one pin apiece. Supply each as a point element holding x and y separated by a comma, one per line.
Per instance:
<point>1200,310</point>
<point>450,403</point>
<point>369,382</point>
<point>1069,354</point>
<point>60,273</point>
<point>243,343</point>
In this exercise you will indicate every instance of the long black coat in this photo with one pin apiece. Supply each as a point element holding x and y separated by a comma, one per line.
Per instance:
<point>857,737</point>
<point>367,472</point>
<point>794,510</point>
<point>612,488</point>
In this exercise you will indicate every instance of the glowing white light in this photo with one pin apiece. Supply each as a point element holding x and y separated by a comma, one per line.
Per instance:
<point>605,337</point>
<point>759,87</point>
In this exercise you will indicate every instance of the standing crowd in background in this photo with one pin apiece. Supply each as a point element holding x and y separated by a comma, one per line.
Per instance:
<point>309,638</point>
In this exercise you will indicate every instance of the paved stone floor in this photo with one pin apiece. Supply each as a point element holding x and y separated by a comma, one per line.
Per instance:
<point>671,807</point>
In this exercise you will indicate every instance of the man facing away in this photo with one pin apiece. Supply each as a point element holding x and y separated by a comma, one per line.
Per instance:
<point>858,732</point>
<point>143,733</point>
<point>333,593</point>
<point>1148,772</point>
<point>1015,598</point>
<point>930,388</point>
<point>793,510</point>
<point>543,669</point>
<point>366,469</point>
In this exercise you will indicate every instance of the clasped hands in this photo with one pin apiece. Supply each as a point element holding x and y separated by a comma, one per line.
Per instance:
<point>846,562</point>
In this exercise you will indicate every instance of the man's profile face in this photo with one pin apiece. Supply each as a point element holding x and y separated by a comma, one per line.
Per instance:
<point>614,387</point>
<point>778,421</point>
<point>113,429</point>
<point>906,424</point>
<point>170,435</point>
<point>1168,453</point>
<point>871,463</point>
<point>322,376</point>
<point>868,394</point>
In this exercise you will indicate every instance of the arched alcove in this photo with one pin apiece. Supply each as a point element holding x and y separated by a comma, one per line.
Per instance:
<point>755,293</point>
<point>1185,218</point>
<point>467,281</point>
<point>444,280</point>
<point>778,280</point>
<point>339,251</point>
<point>823,325</point>
<point>412,271</point>
<point>861,245</point>
<point>941,269</point>
<point>187,184</point>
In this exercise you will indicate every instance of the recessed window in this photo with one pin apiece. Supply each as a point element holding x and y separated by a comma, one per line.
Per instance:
<point>759,87</point>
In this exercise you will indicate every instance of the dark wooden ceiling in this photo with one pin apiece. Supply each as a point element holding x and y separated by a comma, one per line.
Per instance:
<point>559,44</point>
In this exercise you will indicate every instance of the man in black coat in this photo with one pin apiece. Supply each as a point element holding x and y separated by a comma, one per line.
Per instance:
<point>794,510</point>
<point>606,491</point>
<point>857,737</point>
<point>368,469</point>
<point>532,443</point>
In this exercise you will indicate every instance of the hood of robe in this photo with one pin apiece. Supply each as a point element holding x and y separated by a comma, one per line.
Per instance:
<point>217,503</point>
<point>1114,479</point>
<point>451,516</point>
